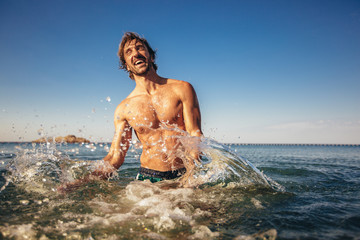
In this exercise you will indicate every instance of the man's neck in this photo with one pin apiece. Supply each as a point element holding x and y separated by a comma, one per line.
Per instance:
<point>149,82</point>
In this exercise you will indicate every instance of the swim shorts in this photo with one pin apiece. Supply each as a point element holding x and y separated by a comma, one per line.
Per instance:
<point>157,176</point>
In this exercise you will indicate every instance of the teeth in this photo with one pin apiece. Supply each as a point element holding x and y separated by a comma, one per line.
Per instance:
<point>138,62</point>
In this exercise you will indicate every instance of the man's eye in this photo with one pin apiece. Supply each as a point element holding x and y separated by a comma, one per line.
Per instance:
<point>140,47</point>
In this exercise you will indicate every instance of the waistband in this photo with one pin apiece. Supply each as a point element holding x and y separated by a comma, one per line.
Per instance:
<point>163,175</point>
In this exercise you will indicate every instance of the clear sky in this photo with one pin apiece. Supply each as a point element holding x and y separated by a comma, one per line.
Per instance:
<point>264,71</point>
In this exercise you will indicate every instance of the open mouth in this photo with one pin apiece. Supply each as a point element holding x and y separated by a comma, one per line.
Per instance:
<point>139,62</point>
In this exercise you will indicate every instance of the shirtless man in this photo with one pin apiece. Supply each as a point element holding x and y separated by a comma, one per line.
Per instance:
<point>160,111</point>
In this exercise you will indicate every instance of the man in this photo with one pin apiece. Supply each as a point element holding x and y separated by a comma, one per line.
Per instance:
<point>159,110</point>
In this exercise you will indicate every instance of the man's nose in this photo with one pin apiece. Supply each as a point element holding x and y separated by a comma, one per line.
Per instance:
<point>136,53</point>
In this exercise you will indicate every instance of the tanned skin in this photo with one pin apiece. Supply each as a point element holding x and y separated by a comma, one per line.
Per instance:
<point>160,111</point>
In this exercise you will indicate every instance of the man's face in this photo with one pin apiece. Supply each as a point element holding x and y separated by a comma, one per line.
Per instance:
<point>137,58</point>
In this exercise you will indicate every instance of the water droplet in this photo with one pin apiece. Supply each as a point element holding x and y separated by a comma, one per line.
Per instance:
<point>24,202</point>
<point>108,99</point>
<point>40,131</point>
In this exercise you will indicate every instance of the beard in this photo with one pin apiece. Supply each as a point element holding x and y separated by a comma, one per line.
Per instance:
<point>142,71</point>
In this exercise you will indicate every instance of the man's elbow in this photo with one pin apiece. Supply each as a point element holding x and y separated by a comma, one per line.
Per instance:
<point>108,157</point>
<point>115,160</point>
<point>196,133</point>
<point>117,164</point>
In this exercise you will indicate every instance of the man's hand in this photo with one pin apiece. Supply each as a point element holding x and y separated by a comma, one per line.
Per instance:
<point>191,159</point>
<point>103,172</point>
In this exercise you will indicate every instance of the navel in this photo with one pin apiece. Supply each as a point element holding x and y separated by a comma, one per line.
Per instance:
<point>141,130</point>
<point>164,156</point>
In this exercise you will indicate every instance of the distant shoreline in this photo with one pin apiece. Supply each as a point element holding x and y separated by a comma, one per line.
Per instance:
<point>60,139</point>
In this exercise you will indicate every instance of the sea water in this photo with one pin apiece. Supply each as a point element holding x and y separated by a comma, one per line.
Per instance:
<point>238,192</point>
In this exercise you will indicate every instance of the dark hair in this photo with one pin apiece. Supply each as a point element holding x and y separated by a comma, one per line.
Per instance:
<point>128,37</point>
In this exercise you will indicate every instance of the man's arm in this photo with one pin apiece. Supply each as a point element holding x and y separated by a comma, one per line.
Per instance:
<point>119,145</point>
<point>115,157</point>
<point>192,120</point>
<point>191,110</point>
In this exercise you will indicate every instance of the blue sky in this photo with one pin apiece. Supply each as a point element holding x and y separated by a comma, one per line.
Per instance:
<point>264,71</point>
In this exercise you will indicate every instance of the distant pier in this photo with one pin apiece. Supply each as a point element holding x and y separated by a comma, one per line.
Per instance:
<point>294,144</point>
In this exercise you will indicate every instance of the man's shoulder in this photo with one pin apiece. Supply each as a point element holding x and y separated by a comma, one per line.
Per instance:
<point>179,84</point>
<point>176,81</point>
<point>131,101</point>
<point>121,107</point>
<point>125,108</point>
<point>126,103</point>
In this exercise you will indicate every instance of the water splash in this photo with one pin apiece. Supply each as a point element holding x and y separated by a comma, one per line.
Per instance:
<point>43,167</point>
<point>133,209</point>
<point>220,165</point>
<point>36,169</point>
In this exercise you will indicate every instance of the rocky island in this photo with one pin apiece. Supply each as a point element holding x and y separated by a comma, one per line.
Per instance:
<point>66,139</point>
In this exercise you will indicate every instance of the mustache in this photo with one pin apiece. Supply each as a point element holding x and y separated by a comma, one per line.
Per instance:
<point>139,57</point>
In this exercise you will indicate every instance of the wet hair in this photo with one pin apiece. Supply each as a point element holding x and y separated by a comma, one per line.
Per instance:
<point>128,37</point>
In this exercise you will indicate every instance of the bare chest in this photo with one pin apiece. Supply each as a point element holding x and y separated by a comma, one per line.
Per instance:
<point>150,112</point>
